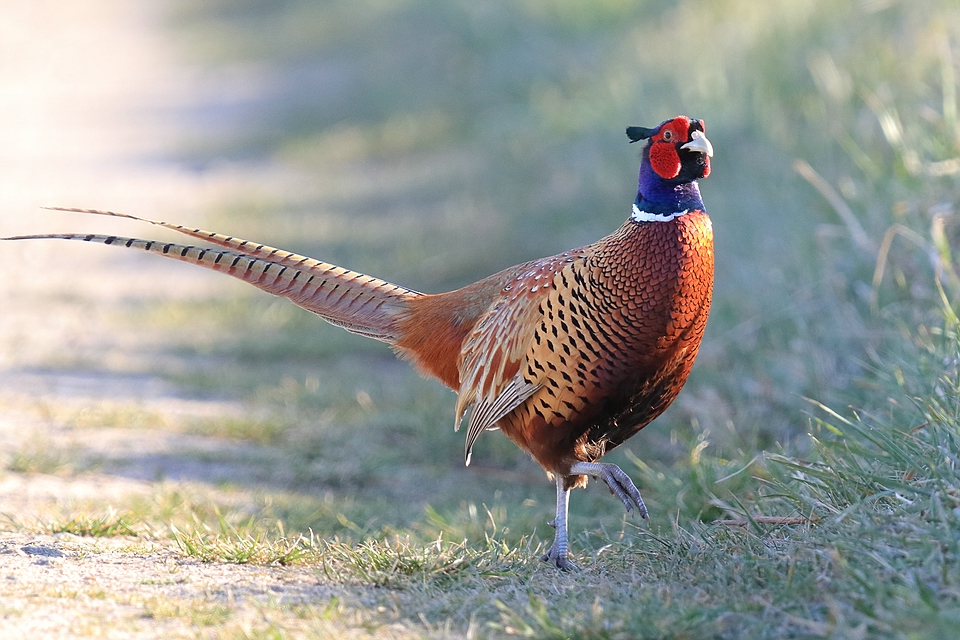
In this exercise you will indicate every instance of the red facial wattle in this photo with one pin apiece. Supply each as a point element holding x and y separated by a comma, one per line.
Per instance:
<point>664,158</point>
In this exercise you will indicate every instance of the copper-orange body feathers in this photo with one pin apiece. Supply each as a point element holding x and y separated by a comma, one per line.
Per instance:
<point>568,356</point>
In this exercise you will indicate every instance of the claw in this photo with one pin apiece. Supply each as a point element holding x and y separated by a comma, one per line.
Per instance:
<point>619,483</point>
<point>560,561</point>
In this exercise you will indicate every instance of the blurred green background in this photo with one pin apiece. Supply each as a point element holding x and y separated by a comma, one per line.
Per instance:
<point>445,140</point>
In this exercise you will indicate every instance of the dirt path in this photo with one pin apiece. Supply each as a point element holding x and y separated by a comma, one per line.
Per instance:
<point>58,586</point>
<point>89,93</point>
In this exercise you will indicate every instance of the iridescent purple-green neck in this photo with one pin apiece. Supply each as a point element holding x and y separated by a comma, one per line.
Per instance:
<point>658,195</point>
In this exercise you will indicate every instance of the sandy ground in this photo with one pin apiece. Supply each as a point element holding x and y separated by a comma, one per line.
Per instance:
<point>91,100</point>
<point>57,586</point>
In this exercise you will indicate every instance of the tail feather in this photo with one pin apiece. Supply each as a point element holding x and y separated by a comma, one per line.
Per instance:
<point>246,247</point>
<point>359,303</point>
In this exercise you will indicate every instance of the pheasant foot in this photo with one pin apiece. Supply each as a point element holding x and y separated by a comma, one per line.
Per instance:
<point>619,482</point>
<point>558,557</point>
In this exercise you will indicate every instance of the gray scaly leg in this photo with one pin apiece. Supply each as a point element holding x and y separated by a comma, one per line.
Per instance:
<point>557,555</point>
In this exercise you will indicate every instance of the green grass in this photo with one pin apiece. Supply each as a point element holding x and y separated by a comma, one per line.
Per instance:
<point>878,559</point>
<point>40,456</point>
<point>95,526</point>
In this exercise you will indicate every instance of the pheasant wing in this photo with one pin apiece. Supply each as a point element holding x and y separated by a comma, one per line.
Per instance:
<point>493,377</point>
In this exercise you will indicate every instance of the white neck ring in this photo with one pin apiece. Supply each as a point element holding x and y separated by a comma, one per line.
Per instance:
<point>646,216</point>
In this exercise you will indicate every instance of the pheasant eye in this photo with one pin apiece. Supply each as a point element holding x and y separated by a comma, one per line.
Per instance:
<point>667,135</point>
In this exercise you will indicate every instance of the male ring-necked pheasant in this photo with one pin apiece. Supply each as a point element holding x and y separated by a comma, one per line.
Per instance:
<point>568,355</point>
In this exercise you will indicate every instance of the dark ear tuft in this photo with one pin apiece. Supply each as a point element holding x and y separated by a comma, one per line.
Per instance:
<point>636,134</point>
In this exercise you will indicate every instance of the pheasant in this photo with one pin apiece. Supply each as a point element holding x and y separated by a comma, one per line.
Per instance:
<point>568,356</point>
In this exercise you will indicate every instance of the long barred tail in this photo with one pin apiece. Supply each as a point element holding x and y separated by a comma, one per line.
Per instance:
<point>359,303</point>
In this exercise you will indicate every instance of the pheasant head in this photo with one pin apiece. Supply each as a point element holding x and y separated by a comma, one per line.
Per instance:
<point>676,155</point>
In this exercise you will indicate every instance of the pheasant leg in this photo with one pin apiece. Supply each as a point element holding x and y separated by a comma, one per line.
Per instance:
<point>557,555</point>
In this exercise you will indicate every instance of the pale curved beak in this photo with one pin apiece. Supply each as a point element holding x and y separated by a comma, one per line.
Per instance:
<point>699,143</point>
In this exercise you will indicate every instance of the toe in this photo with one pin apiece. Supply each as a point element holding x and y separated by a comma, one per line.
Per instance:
<point>560,561</point>
<point>622,486</point>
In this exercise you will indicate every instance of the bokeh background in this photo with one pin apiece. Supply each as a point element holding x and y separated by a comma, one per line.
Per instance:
<point>432,142</point>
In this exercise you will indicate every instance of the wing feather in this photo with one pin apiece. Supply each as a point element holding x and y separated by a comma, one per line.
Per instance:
<point>494,374</point>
